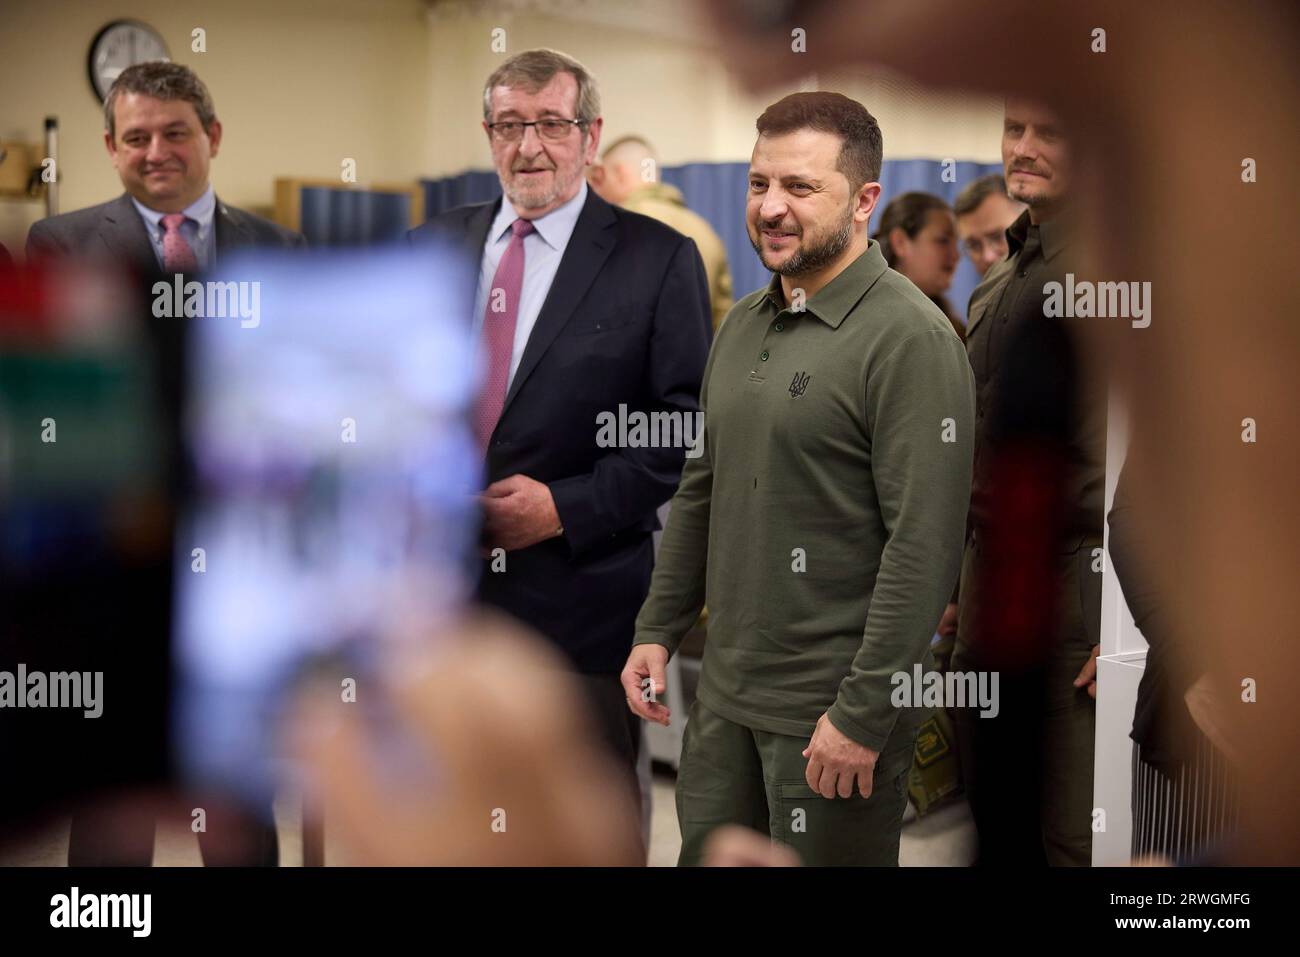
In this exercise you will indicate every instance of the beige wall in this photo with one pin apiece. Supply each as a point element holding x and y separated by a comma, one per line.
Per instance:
<point>670,87</point>
<point>396,85</point>
<point>672,91</point>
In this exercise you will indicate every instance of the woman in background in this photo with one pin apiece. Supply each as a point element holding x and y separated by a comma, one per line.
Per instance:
<point>918,236</point>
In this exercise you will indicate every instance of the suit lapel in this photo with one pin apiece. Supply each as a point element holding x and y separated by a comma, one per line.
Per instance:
<point>124,233</point>
<point>588,248</point>
<point>476,229</point>
<point>231,233</point>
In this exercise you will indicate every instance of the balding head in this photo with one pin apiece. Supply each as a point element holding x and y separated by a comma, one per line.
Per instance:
<point>627,164</point>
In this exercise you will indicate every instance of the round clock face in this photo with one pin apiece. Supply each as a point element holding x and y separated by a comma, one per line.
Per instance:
<point>119,45</point>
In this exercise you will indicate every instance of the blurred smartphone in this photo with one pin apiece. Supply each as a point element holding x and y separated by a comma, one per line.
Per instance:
<point>331,513</point>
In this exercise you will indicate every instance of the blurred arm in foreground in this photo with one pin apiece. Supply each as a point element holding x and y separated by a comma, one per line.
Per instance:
<point>516,782</point>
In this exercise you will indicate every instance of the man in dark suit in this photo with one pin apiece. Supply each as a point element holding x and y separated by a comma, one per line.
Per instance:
<point>582,309</point>
<point>161,133</point>
<point>117,231</point>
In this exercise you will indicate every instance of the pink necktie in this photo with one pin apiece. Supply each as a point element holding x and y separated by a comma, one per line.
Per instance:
<point>177,254</point>
<point>499,332</point>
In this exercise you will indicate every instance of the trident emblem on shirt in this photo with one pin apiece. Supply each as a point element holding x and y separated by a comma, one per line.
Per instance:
<point>799,383</point>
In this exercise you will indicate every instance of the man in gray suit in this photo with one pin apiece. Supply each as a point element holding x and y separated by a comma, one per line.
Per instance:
<point>161,131</point>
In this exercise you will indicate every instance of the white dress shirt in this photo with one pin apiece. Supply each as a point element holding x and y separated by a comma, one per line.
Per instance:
<point>543,249</point>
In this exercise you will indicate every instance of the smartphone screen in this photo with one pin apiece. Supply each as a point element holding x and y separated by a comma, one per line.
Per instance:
<point>332,471</point>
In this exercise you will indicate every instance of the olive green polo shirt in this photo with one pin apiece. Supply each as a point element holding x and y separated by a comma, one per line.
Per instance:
<point>823,518</point>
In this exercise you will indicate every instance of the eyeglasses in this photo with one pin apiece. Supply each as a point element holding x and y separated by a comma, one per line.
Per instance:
<point>512,131</point>
<point>975,244</point>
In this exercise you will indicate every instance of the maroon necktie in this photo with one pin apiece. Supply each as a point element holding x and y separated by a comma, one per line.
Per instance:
<point>499,317</point>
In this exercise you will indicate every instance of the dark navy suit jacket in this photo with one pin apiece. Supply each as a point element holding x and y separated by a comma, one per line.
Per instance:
<point>627,321</point>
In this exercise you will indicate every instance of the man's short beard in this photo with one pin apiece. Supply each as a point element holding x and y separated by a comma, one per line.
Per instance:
<point>532,201</point>
<point>814,258</point>
<point>1032,200</point>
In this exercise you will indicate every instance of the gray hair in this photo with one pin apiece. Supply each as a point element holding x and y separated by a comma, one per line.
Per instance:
<point>533,69</point>
<point>163,80</point>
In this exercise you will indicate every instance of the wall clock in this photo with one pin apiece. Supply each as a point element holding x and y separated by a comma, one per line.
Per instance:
<point>121,44</point>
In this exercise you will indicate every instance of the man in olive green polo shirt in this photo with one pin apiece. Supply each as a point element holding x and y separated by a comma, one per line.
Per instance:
<point>822,517</point>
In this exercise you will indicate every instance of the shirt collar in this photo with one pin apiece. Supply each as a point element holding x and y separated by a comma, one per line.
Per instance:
<point>201,210</point>
<point>555,227</point>
<point>1054,236</point>
<point>834,301</point>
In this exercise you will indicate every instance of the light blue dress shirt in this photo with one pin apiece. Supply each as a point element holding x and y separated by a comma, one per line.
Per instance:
<point>543,249</point>
<point>197,229</point>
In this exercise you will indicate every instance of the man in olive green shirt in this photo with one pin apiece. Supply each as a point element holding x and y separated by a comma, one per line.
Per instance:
<point>822,515</point>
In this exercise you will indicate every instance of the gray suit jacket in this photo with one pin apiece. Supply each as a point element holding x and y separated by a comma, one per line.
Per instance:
<point>114,230</point>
